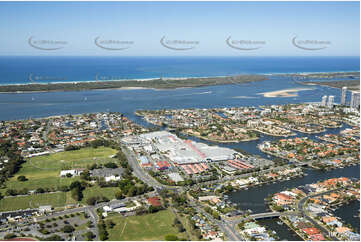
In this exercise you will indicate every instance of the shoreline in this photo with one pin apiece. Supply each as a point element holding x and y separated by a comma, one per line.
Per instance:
<point>352,85</point>
<point>293,92</point>
<point>161,83</point>
<point>187,77</point>
<point>154,83</point>
<point>221,141</point>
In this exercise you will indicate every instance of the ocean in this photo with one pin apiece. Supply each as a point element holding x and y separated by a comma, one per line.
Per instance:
<point>17,70</point>
<point>47,69</point>
<point>25,105</point>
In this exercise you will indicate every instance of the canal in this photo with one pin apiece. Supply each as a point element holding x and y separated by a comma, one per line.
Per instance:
<point>254,198</point>
<point>350,214</point>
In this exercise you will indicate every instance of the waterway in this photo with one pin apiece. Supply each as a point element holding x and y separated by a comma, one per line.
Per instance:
<point>349,213</point>
<point>282,230</point>
<point>26,105</point>
<point>253,198</point>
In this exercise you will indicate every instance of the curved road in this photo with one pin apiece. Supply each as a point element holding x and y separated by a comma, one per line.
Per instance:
<point>300,207</point>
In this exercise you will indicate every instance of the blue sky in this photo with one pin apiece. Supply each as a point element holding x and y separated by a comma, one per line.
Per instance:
<point>208,24</point>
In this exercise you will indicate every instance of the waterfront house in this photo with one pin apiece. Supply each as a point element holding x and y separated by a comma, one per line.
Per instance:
<point>311,231</point>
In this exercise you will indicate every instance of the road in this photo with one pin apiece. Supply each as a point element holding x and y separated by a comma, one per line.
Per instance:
<point>226,228</point>
<point>143,175</point>
<point>300,207</point>
<point>91,210</point>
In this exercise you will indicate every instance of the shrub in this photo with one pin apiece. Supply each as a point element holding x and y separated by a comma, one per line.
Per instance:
<point>9,236</point>
<point>68,229</point>
<point>22,178</point>
<point>170,237</point>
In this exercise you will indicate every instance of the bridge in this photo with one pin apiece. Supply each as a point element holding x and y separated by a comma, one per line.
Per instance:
<point>271,215</point>
<point>257,216</point>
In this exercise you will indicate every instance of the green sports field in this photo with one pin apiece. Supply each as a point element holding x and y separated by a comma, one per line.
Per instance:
<point>58,199</point>
<point>145,227</point>
<point>44,171</point>
<point>93,191</point>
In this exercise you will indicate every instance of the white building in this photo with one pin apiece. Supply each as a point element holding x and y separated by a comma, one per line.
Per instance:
<point>343,95</point>
<point>324,100</point>
<point>45,208</point>
<point>112,178</point>
<point>253,123</point>
<point>330,102</point>
<point>355,100</point>
<point>75,172</point>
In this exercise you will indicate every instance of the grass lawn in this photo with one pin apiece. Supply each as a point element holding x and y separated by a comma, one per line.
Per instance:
<point>187,226</point>
<point>108,192</point>
<point>34,201</point>
<point>43,171</point>
<point>145,227</point>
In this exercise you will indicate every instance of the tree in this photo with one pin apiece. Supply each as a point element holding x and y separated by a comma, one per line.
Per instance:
<point>75,184</point>
<point>85,175</point>
<point>89,236</point>
<point>131,191</point>
<point>153,209</point>
<point>171,237</point>
<point>77,194</point>
<point>11,192</point>
<point>103,234</point>
<point>22,178</point>
<point>96,143</point>
<point>215,214</point>
<point>176,221</point>
<point>91,200</point>
<point>96,199</point>
<point>89,224</point>
<point>68,229</point>
<point>63,188</point>
<point>111,165</point>
<point>119,195</point>
<point>110,224</point>
<point>180,228</point>
<point>54,237</point>
<point>9,236</point>
<point>71,147</point>
<point>40,190</point>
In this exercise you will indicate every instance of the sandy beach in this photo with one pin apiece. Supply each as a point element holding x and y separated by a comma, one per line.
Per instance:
<point>284,93</point>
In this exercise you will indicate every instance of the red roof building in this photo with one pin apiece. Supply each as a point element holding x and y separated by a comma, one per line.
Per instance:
<point>154,201</point>
<point>311,231</point>
<point>163,165</point>
<point>317,237</point>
